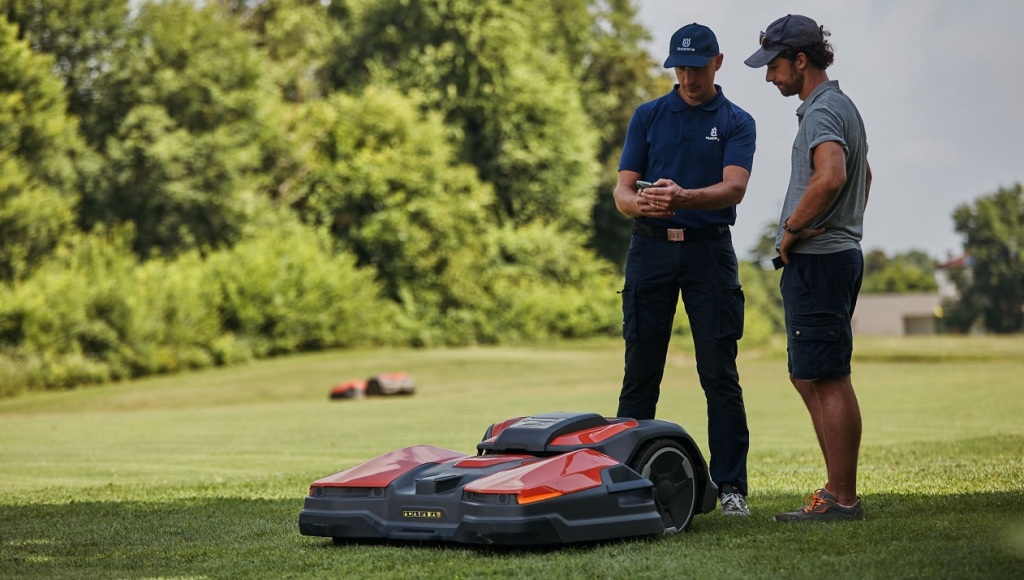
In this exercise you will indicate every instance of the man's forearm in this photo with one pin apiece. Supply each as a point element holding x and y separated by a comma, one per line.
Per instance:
<point>718,196</point>
<point>823,188</point>
<point>726,193</point>
<point>816,201</point>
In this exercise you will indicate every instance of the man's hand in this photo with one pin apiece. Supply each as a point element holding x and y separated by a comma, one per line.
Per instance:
<point>661,200</point>
<point>789,238</point>
<point>822,191</point>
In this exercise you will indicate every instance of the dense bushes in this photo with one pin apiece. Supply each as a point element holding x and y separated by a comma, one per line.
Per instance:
<point>93,313</point>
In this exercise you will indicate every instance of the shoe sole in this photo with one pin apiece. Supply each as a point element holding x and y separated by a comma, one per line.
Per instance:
<point>820,518</point>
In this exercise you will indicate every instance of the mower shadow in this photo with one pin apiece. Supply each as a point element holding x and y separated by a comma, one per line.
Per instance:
<point>237,537</point>
<point>490,549</point>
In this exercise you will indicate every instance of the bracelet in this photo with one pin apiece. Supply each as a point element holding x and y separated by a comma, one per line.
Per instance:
<point>785,226</point>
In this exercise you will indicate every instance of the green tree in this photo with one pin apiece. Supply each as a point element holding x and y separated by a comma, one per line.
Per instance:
<point>79,34</point>
<point>188,126</point>
<point>39,148</point>
<point>298,37</point>
<point>993,289</point>
<point>492,70</point>
<point>616,73</point>
<point>383,178</point>
<point>913,271</point>
<point>763,251</point>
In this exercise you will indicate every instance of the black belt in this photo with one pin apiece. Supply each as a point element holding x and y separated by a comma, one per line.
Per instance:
<point>678,235</point>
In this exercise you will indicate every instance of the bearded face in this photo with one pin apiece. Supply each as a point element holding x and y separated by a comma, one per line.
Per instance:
<point>785,76</point>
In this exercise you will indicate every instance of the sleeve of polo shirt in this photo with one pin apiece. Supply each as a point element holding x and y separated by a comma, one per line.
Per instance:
<point>739,149</point>
<point>824,125</point>
<point>634,150</point>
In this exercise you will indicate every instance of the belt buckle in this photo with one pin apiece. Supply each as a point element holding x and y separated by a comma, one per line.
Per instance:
<point>676,235</point>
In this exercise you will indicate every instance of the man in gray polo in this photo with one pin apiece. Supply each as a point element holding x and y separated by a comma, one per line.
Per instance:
<point>819,244</point>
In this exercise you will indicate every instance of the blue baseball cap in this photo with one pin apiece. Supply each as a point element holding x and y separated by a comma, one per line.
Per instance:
<point>692,45</point>
<point>790,31</point>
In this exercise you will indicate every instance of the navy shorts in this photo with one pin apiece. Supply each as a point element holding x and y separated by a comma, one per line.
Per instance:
<point>819,293</point>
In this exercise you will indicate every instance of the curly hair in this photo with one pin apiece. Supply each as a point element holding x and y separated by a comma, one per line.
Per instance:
<point>820,54</point>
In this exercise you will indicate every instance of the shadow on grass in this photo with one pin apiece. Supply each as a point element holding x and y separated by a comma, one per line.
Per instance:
<point>974,535</point>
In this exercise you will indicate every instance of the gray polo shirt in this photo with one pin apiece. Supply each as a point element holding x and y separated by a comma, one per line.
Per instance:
<point>829,115</point>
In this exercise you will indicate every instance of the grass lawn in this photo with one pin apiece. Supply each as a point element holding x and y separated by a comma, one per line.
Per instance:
<point>203,475</point>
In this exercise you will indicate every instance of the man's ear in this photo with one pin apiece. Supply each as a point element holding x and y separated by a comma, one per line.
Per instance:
<point>800,62</point>
<point>718,61</point>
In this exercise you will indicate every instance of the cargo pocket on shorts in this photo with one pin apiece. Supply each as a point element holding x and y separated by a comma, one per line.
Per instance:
<point>815,345</point>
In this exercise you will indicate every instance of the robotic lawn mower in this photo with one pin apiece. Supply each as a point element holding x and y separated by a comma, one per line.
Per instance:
<point>547,479</point>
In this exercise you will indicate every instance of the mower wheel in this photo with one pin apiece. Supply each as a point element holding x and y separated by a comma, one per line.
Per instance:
<point>670,469</point>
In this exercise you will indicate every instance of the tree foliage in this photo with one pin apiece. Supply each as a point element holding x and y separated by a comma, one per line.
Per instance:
<point>912,271</point>
<point>183,128</point>
<point>298,37</point>
<point>616,74</point>
<point>80,36</point>
<point>39,158</point>
<point>385,180</point>
<point>381,176</point>
<point>992,291</point>
<point>487,67</point>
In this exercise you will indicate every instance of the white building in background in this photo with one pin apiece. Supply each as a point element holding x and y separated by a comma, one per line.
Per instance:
<point>904,314</point>
<point>897,314</point>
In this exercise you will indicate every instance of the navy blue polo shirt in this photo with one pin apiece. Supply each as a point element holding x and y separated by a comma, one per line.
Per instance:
<point>690,145</point>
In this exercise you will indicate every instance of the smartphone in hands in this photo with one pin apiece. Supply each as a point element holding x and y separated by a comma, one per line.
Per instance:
<point>642,185</point>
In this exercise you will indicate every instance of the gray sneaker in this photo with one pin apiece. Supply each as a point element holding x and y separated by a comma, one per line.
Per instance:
<point>734,504</point>
<point>823,507</point>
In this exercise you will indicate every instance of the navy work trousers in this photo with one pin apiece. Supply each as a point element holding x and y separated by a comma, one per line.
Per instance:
<point>706,273</point>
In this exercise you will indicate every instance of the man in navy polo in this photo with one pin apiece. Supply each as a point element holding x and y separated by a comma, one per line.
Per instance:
<point>696,148</point>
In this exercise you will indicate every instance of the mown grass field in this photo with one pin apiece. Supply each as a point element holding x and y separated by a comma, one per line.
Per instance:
<point>203,475</point>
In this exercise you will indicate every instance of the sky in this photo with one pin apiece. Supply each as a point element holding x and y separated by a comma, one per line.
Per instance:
<point>939,84</point>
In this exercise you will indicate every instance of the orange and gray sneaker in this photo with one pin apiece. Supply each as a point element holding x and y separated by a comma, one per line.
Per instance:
<point>823,507</point>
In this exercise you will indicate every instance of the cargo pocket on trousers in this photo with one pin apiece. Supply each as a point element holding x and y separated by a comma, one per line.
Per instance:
<point>730,313</point>
<point>628,313</point>
<point>814,343</point>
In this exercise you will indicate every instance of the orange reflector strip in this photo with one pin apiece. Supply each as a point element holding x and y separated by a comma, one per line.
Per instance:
<point>526,499</point>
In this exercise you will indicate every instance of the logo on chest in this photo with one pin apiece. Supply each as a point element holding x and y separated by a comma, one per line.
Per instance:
<point>714,134</point>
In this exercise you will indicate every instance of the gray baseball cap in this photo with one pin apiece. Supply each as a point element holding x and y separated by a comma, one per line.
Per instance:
<point>790,31</point>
